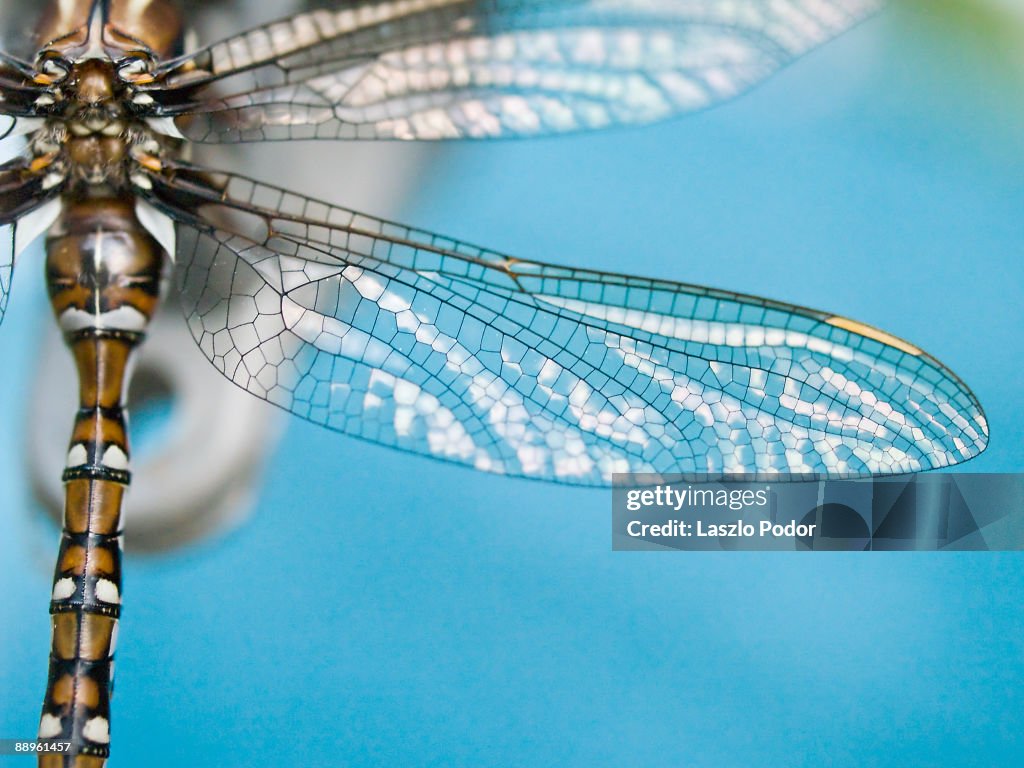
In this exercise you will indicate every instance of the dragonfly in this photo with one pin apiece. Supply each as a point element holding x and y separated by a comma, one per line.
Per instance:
<point>397,335</point>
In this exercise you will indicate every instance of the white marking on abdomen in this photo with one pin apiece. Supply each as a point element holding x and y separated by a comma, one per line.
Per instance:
<point>97,730</point>
<point>106,590</point>
<point>78,455</point>
<point>124,318</point>
<point>114,458</point>
<point>64,588</point>
<point>49,726</point>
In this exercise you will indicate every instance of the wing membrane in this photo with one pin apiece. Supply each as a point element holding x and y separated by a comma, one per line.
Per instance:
<point>442,69</point>
<point>433,346</point>
<point>27,207</point>
<point>7,238</point>
<point>17,98</point>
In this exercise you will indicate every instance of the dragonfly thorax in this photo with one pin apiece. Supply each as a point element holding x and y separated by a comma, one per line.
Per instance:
<point>92,135</point>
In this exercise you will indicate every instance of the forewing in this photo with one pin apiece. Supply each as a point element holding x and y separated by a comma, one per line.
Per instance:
<point>7,235</point>
<point>441,69</point>
<point>423,343</point>
<point>28,205</point>
<point>18,95</point>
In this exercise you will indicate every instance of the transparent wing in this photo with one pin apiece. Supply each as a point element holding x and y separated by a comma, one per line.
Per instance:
<point>7,235</point>
<point>423,343</point>
<point>27,206</point>
<point>440,69</point>
<point>8,126</point>
<point>17,99</point>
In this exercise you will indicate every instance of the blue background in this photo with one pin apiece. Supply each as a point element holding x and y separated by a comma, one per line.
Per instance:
<point>382,610</point>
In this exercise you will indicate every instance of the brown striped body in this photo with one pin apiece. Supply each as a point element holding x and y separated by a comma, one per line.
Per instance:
<point>103,274</point>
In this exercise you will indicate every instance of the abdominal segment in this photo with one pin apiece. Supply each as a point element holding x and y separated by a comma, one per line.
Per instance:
<point>103,276</point>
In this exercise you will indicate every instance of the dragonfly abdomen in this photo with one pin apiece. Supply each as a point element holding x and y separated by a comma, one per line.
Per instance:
<point>103,275</point>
